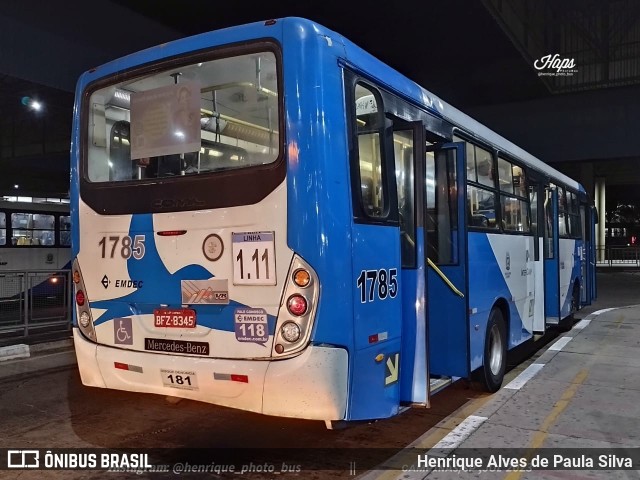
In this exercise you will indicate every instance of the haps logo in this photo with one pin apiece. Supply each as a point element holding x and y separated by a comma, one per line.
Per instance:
<point>560,66</point>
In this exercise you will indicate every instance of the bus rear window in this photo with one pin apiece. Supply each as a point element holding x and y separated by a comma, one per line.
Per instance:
<point>189,120</point>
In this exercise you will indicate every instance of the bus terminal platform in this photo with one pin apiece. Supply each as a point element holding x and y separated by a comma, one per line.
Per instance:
<point>582,391</point>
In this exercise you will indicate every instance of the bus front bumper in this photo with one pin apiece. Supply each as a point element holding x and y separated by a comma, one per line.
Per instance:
<point>312,385</point>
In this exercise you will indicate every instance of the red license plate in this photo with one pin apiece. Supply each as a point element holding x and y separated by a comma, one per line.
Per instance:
<point>174,317</point>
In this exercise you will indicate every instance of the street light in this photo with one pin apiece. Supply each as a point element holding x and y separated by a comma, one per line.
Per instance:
<point>32,103</point>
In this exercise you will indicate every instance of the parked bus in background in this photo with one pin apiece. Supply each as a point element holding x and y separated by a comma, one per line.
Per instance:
<point>35,234</point>
<point>35,253</point>
<point>267,217</point>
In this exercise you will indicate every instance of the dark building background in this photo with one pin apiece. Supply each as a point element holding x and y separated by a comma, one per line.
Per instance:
<point>478,55</point>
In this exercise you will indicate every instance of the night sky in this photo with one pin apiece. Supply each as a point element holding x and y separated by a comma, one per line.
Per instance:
<point>453,48</point>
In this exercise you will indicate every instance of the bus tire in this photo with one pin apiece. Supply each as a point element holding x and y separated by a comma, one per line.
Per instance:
<point>495,352</point>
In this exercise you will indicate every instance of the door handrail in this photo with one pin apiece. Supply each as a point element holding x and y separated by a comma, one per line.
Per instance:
<point>445,279</point>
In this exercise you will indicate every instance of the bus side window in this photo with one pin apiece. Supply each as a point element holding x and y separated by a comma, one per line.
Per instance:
<point>481,197</point>
<point>441,207</point>
<point>513,200</point>
<point>563,231</point>
<point>65,231</point>
<point>369,123</point>
<point>3,228</point>
<point>120,165</point>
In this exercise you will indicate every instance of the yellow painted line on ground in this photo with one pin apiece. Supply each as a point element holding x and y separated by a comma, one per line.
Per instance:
<point>540,436</point>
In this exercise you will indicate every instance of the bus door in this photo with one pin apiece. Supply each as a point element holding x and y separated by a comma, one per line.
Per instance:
<point>593,290</point>
<point>585,255</point>
<point>408,146</point>
<point>446,244</point>
<point>551,257</point>
<point>537,196</point>
<point>376,264</point>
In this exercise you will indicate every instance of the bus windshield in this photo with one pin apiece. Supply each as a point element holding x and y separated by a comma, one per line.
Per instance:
<point>193,119</point>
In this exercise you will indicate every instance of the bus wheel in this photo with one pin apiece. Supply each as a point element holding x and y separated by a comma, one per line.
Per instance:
<point>495,352</point>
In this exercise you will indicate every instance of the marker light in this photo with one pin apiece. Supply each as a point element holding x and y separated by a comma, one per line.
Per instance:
<point>76,276</point>
<point>80,298</point>
<point>301,278</point>
<point>290,332</point>
<point>84,319</point>
<point>297,305</point>
<point>171,233</point>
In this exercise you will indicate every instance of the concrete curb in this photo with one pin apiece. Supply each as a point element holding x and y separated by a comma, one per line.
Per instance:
<point>13,352</point>
<point>44,347</point>
<point>22,351</point>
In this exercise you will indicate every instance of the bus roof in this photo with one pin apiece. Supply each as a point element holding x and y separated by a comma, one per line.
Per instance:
<point>354,55</point>
<point>398,82</point>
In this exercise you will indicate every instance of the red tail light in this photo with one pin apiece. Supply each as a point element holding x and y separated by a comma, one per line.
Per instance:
<point>297,305</point>
<point>80,298</point>
<point>239,378</point>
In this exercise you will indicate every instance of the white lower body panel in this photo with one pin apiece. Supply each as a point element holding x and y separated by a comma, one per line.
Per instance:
<point>312,385</point>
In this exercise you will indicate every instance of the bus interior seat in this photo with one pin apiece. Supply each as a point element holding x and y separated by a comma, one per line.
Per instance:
<point>479,221</point>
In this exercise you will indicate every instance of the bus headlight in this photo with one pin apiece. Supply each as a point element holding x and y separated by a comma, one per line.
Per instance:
<point>290,332</point>
<point>84,319</point>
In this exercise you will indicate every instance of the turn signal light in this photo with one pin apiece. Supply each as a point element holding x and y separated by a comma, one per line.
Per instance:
<point>76,276</point>
<point>80,298</point>
<point>297,305</point>
<point>301,278</point>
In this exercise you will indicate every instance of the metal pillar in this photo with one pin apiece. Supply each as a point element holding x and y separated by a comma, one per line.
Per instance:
<point>600,200</point>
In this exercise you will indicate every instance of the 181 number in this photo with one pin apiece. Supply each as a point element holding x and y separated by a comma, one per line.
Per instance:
<point>381,282</point>
<point>179,379</point>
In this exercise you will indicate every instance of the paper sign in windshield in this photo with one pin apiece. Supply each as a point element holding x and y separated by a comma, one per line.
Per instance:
<point>251,325</point>
<point>165,120</point>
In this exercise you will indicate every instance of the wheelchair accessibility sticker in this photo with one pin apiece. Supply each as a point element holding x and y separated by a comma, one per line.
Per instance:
<point>122,331</point>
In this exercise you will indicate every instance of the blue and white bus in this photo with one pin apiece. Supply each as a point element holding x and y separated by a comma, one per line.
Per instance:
<point>35,242</point>
<point>266,217</point>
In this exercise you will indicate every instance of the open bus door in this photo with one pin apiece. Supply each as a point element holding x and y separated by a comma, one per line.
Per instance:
<point>586,255</point>
<point>537,196</point>
<point>551,257</point>
<point>593,287</point>
<point>446,257</point>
